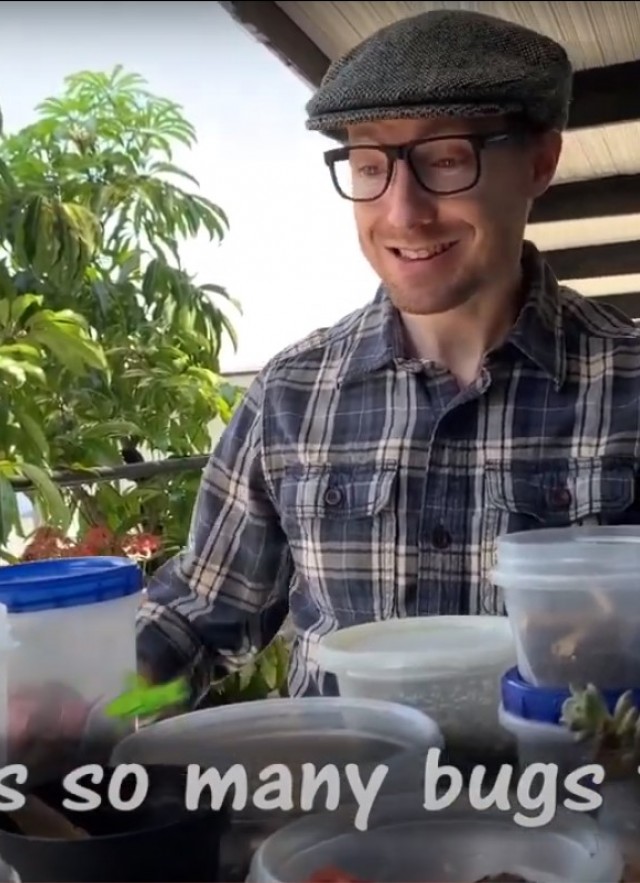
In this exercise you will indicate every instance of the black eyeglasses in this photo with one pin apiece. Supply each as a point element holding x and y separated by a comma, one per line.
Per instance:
<point>443,166</point>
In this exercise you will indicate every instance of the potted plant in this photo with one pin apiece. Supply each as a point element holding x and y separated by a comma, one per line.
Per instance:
<point>615,738</point>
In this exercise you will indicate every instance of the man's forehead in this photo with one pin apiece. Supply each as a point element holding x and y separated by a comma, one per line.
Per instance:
<point>393,131</point>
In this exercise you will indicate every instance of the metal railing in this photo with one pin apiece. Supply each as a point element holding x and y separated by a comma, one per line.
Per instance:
<point>126,472</point>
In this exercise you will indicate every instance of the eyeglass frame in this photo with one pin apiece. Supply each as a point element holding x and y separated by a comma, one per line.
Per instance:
<point>479,141</point>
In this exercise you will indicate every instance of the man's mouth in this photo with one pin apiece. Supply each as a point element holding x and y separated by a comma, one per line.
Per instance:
<point>422,254</point>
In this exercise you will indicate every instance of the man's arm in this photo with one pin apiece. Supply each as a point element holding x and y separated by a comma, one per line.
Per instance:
<point>218,603</point>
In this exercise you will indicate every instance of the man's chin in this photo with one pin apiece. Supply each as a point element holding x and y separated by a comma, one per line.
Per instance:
<point>424,302</point>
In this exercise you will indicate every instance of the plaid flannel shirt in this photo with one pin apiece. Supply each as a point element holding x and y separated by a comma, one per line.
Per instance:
<point>354,484</point>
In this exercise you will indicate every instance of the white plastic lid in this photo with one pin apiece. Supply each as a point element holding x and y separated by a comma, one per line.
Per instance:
<point>562,557</point>
<point>426,646</point>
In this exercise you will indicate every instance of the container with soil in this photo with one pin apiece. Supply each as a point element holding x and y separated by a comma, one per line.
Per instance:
<point>160,842</point>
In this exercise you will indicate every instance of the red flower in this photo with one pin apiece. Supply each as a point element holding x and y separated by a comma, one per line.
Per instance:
<point>48,542</point>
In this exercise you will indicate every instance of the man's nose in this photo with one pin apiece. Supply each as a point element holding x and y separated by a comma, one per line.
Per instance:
<point>407,203</point>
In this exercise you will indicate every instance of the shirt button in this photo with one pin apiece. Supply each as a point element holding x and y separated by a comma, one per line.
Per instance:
<point>333,496</point>
<point>560,498</point>
<point>440,538</point>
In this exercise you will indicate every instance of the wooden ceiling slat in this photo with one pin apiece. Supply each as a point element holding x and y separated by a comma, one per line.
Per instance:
<point>605,96</point>
<point>626,303</point>
<point>592,261</point>
<point>598,198</point>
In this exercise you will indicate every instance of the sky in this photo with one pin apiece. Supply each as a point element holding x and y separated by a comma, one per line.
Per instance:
<point>291,257</point>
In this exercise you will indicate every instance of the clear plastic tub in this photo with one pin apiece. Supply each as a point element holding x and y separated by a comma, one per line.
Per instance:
<point>73,620</point>
<point>319,730</point>
<point>447,666</point>
<point>455,844</point>
<point>7,646</point>
<point>546,743</point>
<point>572,600</point>
<point>293,732</point>
<point>7,873</point>
<point>533,717</point>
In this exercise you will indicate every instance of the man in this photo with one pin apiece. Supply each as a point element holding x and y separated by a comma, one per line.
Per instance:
<point>371,466</point>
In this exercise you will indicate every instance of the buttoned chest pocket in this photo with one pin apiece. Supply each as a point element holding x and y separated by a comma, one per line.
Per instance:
<point>342,526</point>
<point>530,495</point>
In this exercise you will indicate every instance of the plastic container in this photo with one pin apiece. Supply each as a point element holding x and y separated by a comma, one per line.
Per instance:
<point>74,623</point>
<point>572,599</point>
<point>7,873</point>
<point>451,845</point>
<point>533,717</point>
<point>7,647</point>
<point>619,816</point>
<point>159,842</point>
<point>291,732</point>
<point>447,666</point>
<point>532,714</point>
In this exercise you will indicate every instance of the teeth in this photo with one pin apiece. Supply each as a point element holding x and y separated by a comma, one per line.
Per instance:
<point>422,254</point>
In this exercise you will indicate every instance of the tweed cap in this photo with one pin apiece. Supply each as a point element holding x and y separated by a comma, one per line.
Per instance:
<point>446,63</point>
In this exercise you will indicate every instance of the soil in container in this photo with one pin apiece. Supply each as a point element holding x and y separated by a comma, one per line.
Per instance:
<point>161,842</point>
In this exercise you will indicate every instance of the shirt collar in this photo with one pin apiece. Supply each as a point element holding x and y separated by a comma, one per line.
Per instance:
<point>538,332</point>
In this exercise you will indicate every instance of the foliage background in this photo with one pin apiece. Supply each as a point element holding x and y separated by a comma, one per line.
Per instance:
<point>109,346</point>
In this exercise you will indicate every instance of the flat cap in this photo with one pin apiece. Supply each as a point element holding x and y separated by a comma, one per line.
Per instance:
<point>446,63</point>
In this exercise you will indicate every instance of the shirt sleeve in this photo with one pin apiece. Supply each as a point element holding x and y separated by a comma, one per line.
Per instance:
<point>209,610</point>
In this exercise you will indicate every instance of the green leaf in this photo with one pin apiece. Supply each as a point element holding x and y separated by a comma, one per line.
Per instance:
<point>14,370</point>
<point>33,430</point>
<point>21,350</point>
<point>55,509</point>
<point>21,304</point>
<point>9,512</point>
<point>111,429</point>
<point>8,558</point>
<point>166,168</point>
<point>64,334</point>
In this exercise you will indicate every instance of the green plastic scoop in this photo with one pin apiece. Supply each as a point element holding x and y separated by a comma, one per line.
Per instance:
<point>142,699</point>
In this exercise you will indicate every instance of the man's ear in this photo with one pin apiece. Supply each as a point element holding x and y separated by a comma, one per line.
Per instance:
<point>545,156</point>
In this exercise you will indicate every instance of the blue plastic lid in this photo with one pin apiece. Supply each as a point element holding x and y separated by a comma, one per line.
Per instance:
<point>67,582</point>
<point>544,704</point>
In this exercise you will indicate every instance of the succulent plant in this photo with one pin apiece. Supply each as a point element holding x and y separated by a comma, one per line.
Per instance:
<point>615,735</point>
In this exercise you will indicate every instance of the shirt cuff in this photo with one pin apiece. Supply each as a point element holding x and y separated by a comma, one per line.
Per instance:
<point>166,647</point>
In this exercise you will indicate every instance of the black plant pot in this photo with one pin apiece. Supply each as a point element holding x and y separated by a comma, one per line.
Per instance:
<point>161,842</point>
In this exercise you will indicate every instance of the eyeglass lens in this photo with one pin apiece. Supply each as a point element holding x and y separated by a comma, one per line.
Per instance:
<point>445,166</point>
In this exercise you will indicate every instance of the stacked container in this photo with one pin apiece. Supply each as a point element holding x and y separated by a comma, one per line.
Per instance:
<point>572,597</point>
